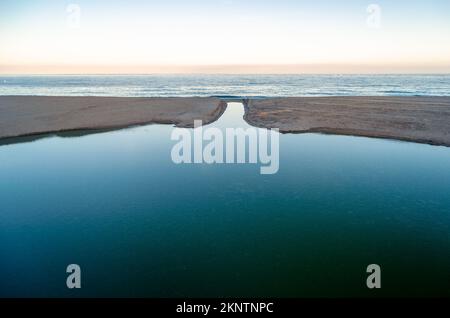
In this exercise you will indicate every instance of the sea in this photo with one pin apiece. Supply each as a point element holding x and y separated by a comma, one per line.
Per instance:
<point>227,85</point>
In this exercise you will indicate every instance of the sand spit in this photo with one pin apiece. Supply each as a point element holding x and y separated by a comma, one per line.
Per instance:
<point>35,115</point>
<point>416,119</point>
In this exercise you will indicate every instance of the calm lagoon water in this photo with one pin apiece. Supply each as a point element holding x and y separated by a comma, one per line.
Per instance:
<point>139,225</point>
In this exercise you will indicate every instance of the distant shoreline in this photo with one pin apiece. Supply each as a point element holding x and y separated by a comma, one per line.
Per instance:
<point>415,119</point>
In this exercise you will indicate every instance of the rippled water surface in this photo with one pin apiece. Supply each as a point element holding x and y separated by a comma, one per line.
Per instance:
<point>228,85</point>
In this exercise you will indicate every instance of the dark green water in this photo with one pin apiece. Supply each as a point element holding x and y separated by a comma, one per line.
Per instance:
<point>139,225</point>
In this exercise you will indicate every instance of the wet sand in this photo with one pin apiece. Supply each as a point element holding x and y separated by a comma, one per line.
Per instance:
<point>38,115</point>
<point>416,119</point>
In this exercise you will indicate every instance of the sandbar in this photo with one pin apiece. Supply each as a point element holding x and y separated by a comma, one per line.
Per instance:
<point>415,119</point>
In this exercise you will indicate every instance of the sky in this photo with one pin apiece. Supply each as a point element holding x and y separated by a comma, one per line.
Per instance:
<point>224,36</point>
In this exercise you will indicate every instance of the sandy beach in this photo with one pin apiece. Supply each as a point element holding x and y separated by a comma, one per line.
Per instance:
<point>416,119</point>
<point>35,115</point>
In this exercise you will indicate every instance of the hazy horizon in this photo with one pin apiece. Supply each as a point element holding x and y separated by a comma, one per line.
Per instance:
<point>224,69</point>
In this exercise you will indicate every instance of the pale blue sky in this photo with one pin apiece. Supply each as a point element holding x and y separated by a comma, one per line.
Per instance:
<point>227,32</point>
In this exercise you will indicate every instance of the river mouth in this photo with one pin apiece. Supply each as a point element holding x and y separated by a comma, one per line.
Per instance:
<point>140,225</point>
<point>287,115</point>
